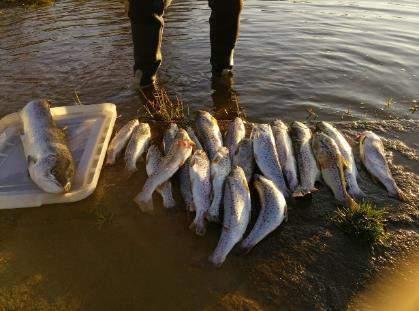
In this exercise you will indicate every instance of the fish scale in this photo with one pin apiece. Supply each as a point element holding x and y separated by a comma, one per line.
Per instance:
<point>351,172</point>
<point>179,152</point>
<point>220,168</point>
<point>153,159</point>
<point>237,208</point>
<point>372,153</point>
<point>137,145</point>
<point>199,172</point>
<point>331,164</point>
<point>306,163</point>
<point>266,156</point>
<point>272,213</point>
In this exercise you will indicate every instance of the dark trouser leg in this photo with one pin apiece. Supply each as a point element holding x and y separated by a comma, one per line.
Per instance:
<point>147,30</point>
<point>224,30</point>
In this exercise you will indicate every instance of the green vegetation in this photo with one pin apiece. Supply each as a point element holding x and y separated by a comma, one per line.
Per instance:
<point>363,223</point>
<point>9,3</point>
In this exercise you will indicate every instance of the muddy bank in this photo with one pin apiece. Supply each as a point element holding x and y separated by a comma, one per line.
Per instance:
<point>102,253</point>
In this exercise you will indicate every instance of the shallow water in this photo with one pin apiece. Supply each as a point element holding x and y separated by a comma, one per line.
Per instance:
<point>101,253</point>
<point>344,59</point>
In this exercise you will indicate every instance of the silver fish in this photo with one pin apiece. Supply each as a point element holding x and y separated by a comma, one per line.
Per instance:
<point>244,158</point>
<point>208,133</point>
<point>50,162</point>
<point>237,208</point>
<point>373,157</point>
<point>266,156</point>
<point>179,152</point>
<point>137,145</point>
<point>351,172</point>
<point>153,159</point>
<point>306,163</point>
<point>285,153</point>
<point>169,137</point>
<point>272,213</point>
<point>194,138</point>
<point>119,141</point>
<point>199,172</point>
<point>220,168</point>
<point>235,133</point>
<point>331,164</point>
<point>185,186</point>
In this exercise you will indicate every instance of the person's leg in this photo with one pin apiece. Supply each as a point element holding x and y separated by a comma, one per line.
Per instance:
<point>224,30</point>
<point>147,24</point>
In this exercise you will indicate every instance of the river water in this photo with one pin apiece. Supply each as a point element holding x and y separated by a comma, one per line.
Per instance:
<point>341,59</point>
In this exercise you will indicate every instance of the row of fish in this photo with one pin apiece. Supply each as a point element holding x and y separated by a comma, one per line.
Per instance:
<point>215,172</point>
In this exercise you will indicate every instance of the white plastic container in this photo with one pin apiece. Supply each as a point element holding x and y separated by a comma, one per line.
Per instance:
<point>89,129</point>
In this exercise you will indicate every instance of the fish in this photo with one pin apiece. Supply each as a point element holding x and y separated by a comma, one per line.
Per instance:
<point>372,153</point>
<point>208,132</point>
<point>179,152</point>
<point>235,133</point>
<point>185,186</point>
<point>266,156</point>
<point>272,213</point>
<point>237,209</point>
<point>200,175</point>
<point>243,157</point>
<point>153,159</point>
<point>331,164</point>
<point>137,145</point>
<point>169,137</point>
<point>285,153</point>
<point>351,172</point>
<point>119,141</point>
<point>220,168</point>
<point>50,162</point>
<point>306,163</point>
<point>194,138</point>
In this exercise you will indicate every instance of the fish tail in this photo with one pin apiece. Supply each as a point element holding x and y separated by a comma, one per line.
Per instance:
<point>351,203</point>
<point>110,159</point>
<point>215,260</point>
<point>303,191</point>
<point>167,196</point>
<point>399,194</point>
<point>144,203</point>
<point>245,248</point>
<point>130,168</point>
<point>198,225</point>
<point>212,214</point>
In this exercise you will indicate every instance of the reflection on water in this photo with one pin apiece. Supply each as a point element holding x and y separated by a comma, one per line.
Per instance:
<point>343,59</point>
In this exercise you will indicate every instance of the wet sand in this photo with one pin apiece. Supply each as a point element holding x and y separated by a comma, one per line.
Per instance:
<point>103,254</point>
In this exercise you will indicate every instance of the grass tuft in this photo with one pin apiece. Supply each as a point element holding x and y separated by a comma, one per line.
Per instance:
<point>25,3</point>
<point>163,108</point>
<point>364,223</point>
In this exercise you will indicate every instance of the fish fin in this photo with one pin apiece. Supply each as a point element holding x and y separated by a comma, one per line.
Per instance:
<point>344,163</point>
<point>301,192</point>
<point>400,195</point>
<point>145,205</point>
<point>286,214</point>
<point>244,249</point>
<point>30,159</point>
<point>198,227</point>
<point>351,203</point>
